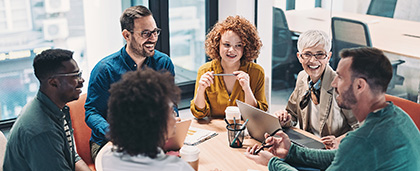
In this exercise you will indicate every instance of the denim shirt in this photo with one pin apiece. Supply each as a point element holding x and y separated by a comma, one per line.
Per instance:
<point>106,72</point>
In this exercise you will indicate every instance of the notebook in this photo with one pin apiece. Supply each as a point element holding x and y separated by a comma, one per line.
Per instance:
<point>177,140</point>
<point>196,136</point>
<point>261,122</point>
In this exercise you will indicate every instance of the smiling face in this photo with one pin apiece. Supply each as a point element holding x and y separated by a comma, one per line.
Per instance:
<point>139,45</point>
<point>343,84</point>
<point>231,48</point>
<point>312,66</point>
<point>69,87</point>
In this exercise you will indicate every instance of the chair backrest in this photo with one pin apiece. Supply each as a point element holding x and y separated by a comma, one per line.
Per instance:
<point>411,108</point>
<point>348,33</point>
<point>82,132</point>
<point>3,142</point>
<point>284,61</point>
<point>282,37</point>
<point>384,8</point>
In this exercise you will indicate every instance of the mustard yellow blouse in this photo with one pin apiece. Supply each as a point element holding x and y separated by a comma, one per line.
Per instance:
<point>217,97</point>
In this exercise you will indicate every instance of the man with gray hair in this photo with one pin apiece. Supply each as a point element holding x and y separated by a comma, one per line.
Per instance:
<point>312,104</point>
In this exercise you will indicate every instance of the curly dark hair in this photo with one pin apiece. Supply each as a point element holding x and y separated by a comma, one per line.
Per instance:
<point>49,61</point>
<point>245,30</point>
<point>370,64</point>
<point>130,14</point>
<point>139,107</point>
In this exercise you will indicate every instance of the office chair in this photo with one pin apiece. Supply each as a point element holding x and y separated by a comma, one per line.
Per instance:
<point>81,131</point>
<point>285,64</point>
<point>384,8</point>
<point>347,33</point>
<point>411,108</point>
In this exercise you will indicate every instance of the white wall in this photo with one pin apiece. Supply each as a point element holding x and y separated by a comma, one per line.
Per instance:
<point>265,29</point>
<point>103,30</point>
<point>244,8</point>
<point>355,6</point>
<point>407,10</point>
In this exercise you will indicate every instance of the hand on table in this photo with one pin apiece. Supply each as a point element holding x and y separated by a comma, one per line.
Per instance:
<point>263,157</point>
<point>284,117</point>
<point>330,142</point>
<point>280,148</point>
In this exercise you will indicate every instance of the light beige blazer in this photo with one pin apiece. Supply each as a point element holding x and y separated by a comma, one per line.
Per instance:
<point>326,103</point>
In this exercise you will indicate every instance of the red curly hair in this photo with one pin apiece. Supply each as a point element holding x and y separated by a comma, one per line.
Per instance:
<point>245,30</point>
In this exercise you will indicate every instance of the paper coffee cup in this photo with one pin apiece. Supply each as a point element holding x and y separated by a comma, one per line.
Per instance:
<point>232,111</point>
<point>190,154</point>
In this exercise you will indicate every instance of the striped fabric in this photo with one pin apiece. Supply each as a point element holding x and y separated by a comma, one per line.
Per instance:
<point>69,137</point>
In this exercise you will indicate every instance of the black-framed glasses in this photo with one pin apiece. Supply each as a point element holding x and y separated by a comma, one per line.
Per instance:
<point>318,56</point>
<point>75,74</point>
<point>146,34</point>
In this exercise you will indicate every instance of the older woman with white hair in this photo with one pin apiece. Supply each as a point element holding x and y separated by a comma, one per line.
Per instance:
<point>312,105</point>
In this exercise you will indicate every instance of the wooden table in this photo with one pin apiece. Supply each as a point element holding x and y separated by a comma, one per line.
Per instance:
<point>216,153</point>
<point>401,37</point>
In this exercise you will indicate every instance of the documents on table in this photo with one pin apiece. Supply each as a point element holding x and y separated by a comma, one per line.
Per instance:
<point>196,136</point>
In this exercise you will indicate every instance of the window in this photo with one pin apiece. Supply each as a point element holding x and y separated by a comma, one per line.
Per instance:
<point>14,16</point>
<point>187,25</point>
<point>187,34</point>
<point>28,27</point>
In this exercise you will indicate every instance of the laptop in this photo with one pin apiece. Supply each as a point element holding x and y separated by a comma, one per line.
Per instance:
<point>177,140</point>
<point>261,122</point>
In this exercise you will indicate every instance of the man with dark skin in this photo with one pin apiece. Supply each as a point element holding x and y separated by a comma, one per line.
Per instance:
<point>41,138</point>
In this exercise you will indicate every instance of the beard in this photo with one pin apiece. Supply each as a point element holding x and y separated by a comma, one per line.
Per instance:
<point>349,100</point>
<point>140,50</point>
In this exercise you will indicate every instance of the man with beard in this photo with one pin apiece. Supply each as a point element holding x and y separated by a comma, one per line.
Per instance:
<point>387,138</point>
<point>42,136</point>
<point>141,34</point>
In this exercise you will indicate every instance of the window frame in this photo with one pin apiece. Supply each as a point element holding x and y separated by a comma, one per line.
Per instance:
<point>160,10</point>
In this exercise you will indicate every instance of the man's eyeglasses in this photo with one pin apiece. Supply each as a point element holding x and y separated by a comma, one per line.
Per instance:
<point>76,74</point>
<point>318,56</point>
<point>146,34</point>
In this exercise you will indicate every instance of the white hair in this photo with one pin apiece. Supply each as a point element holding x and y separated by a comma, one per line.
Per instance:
<point>313,38</point>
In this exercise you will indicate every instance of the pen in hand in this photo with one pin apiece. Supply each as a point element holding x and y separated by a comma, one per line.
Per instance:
<point>225,74</point>
<point>266,146</point>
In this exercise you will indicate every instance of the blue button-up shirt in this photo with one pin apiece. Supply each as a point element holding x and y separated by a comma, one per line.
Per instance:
<point>106,72</point>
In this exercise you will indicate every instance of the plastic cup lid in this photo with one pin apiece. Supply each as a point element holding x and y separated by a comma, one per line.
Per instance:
<point>232,111</point>
<point>189,153</point>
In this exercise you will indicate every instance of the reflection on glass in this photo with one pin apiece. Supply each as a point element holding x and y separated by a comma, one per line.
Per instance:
<point>187,34</point>
<point>28,27</point>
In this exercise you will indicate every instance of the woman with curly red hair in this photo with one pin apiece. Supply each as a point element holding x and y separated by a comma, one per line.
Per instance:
<point>232,45</point>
